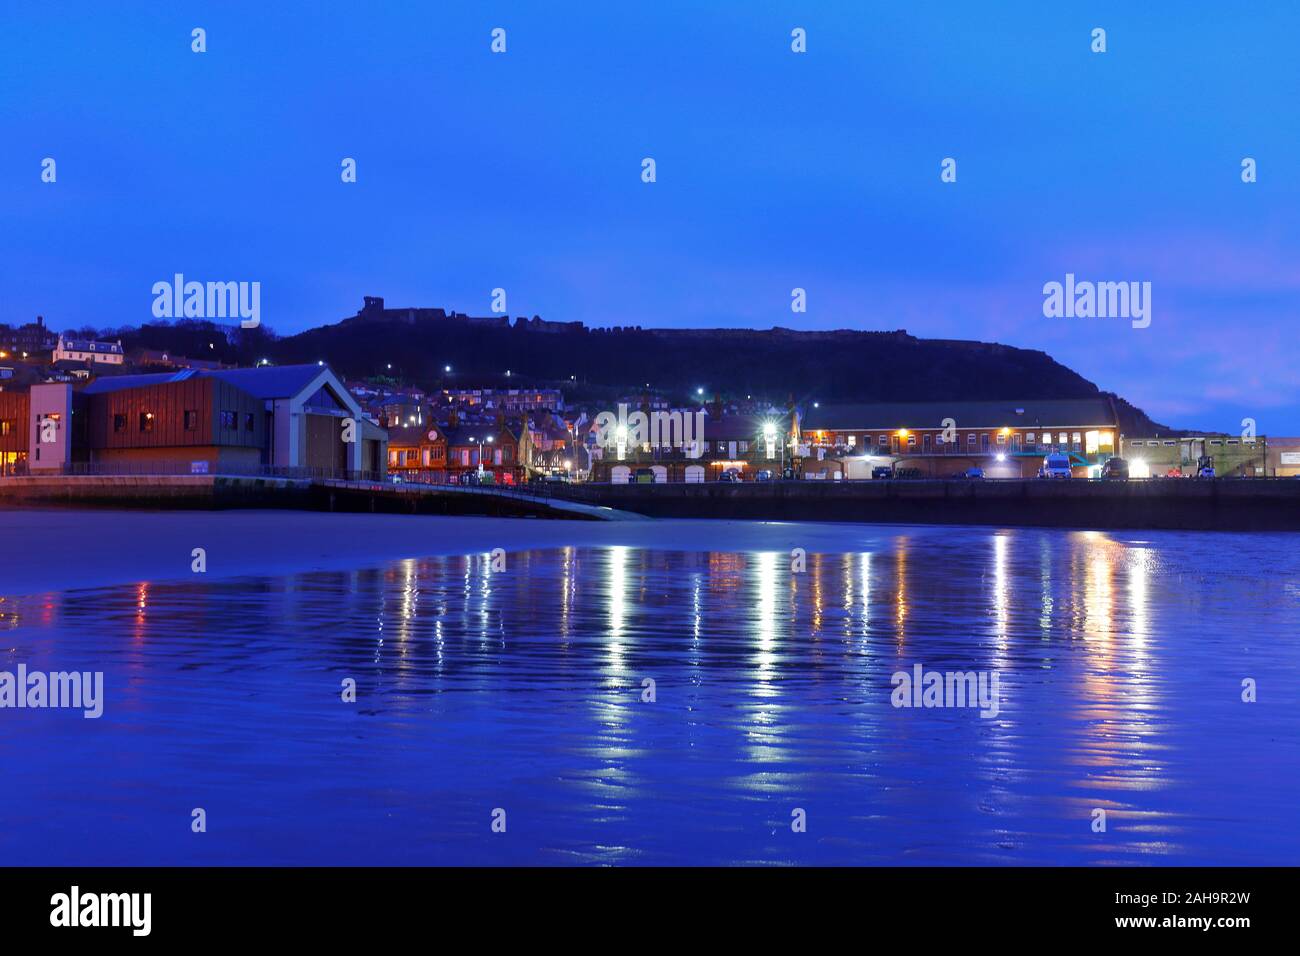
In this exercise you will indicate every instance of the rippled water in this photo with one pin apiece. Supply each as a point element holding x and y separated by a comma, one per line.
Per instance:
<point>1121,660</point>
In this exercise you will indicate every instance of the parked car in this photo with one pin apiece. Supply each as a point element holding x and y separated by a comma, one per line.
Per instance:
<point>763,475</point>
<point>1115,468</point>
<point>731,474</point>
<point>882,471</point>
<point>1055,465</point>
<point>643,476</point>
<point>1174,473</point>
<point>976,472</point>
<point>908,473</point>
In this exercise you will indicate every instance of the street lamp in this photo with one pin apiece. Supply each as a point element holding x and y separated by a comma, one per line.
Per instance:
<point>769,436</point>
<point>480,451</point>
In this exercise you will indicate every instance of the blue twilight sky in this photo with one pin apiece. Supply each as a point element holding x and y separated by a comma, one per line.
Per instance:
<point>775,170</point>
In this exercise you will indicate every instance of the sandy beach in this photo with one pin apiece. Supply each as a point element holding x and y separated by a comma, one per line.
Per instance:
<point>69,549</point>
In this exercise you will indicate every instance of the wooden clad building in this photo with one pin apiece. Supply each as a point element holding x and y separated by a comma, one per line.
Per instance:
<point>14,408</point>
<point>193,419</point>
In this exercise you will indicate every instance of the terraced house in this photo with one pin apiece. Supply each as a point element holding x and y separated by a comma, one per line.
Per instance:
<point>941,439</point>
<point>742,444</point>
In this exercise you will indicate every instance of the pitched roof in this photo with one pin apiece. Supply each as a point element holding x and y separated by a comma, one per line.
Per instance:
<point>270,381</point>
<point>1007,414</point>
<point>266,381</point>
<point>115,383</point>
<point>740,427</point>
<point>414,434</point>
<point>90,345</point>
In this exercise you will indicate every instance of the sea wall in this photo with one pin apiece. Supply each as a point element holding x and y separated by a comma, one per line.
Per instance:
<point>1221,504</point>
<point>1218,505</point>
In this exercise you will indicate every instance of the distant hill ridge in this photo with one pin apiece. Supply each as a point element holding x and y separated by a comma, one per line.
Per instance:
<point>603,363</point>
<point>840,365</point>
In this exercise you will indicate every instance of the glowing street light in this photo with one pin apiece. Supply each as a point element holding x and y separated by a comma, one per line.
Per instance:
<point>769,438</point>
<point>480,451</point>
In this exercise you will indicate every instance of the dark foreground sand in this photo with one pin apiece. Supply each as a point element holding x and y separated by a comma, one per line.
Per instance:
<point>58,550</point>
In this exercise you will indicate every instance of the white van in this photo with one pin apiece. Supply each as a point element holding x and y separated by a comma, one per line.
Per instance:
<point>1055,465</point>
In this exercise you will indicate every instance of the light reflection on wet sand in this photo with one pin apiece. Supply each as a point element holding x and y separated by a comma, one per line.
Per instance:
<point>1120,666</point>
